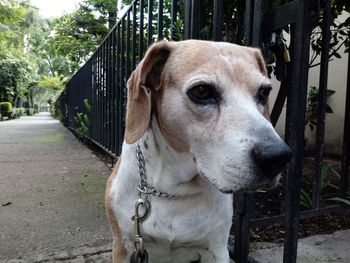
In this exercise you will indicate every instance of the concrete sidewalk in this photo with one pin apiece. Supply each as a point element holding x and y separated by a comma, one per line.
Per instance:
<point>51,191</point>
<point>320,248</point>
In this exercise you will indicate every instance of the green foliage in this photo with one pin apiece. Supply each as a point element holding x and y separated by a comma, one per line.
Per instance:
<point>312,106</point>
<point>82,120</point>
<point>78,34</point>
<point>87,105</point>
<point>17,112</point>
<point>328,176</point>
<point>30,111</point>
<point>15,73</point>
<point>83,123</point>
<point>55,83</point>
<point>5,108</point>
<point>340,31</point>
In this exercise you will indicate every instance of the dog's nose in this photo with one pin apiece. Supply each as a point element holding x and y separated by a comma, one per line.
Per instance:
<point>272,158</point>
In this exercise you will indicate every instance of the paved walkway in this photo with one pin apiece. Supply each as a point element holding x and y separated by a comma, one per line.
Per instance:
<point>51,194</point>
<point>333,248</point>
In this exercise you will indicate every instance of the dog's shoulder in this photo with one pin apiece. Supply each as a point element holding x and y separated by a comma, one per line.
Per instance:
<point>112,177</point>
<point>119,252</point>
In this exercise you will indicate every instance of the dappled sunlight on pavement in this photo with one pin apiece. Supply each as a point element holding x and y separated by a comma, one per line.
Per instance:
<point>51,192</point>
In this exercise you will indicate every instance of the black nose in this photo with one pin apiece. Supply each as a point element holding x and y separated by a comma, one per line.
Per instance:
<point>272,158</point>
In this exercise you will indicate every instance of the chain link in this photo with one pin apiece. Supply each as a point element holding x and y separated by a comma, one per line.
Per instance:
<point>143,187</point>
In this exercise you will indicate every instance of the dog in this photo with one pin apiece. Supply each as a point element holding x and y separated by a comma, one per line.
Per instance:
<point>197,119</point>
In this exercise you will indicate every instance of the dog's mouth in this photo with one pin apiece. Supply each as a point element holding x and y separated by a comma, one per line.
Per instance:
<point>261,181</point>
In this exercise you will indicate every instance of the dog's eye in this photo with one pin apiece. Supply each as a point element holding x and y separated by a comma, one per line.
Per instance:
<point>203,94</point>
<point>263,94</point>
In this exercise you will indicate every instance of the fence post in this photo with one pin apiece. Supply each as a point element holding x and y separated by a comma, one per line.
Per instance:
<point>174,11</point>
<point>217,20</point>
<point>344,179</point>
<point>295,120</point>
<point>150,19</point>
<point>243,213</point>
<point>188,8</point>
<point>322,98</point>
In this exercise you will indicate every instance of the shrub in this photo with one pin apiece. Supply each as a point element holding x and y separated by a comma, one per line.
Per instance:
<point>30,111</point>
<point>16,113</point>
<point>5,109</point>
<point>36,108</point>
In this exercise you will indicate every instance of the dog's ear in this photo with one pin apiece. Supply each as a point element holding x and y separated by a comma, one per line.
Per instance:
<point>145,79</point>
<point>260,60</point>
<point>262,67</point>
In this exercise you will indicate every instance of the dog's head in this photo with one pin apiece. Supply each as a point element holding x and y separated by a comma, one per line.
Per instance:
<point>210,99</point>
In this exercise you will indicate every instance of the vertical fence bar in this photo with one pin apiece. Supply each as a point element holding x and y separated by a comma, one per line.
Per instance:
<point>173,15</point>
<point>248,21</point>
<point>128,46</point>
<point>344,179</point>
<point>119,104</point>
<point>110,89</point>
<point>92,102</point>
<point>150,23</point>
<point>113,86</point>
<point>104,86</point>
<point>141,30</point>
<point>134,24</point>
<point>122,74</point>
<point>195,17</point>
<point>295,120</point>
<point>102,95</point>
<point>217,20</point>
<point>244,211</point>
<point>256,37</point>
<point>99,95</point>
<point>107,95</point>
<point>188,7</point>
<point>160,20</point>
<point>321,110</point>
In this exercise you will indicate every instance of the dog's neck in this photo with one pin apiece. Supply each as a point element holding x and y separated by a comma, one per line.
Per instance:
<point>167,170</point>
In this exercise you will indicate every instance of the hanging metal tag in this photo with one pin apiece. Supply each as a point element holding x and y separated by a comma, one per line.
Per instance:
<point>136,258</point>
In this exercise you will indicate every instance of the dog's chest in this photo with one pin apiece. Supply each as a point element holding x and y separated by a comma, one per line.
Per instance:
<point>183,221</point>
<point>184,233</point>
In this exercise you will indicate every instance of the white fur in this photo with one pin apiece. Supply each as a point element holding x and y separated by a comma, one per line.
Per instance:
<point>177,230</point>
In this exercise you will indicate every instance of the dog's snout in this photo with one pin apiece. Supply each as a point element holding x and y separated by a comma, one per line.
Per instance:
<point>272,158</point>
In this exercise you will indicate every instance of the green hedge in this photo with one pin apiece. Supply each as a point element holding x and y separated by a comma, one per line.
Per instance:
<point>30,111</point>
<point>5,109</point>
<point>17,112</point>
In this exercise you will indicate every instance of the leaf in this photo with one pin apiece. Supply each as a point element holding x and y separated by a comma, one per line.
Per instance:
<point>330,92</point>
<point>328,109</point>
<point>339,199</point>
<point>337,55</point>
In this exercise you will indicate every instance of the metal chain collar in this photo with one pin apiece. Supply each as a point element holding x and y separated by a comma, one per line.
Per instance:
<point>143,187</point>
<point>140,254</point>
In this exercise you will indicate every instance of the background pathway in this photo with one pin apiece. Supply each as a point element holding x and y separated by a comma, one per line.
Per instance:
<point>51,193</point>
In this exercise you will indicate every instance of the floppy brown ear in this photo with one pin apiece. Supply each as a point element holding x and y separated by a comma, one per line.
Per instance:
<point>145,79</point>
<point>260,60</point>
<point>262,67</point>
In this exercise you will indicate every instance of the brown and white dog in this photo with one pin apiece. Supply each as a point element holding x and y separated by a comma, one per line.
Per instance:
<point>199,112</point>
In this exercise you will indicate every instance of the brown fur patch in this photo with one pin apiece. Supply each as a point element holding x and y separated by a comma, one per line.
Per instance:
<point>119,251</point>
<point>144,81</point>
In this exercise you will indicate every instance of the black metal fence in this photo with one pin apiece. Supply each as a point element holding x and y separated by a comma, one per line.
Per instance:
<point>101,82</point>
